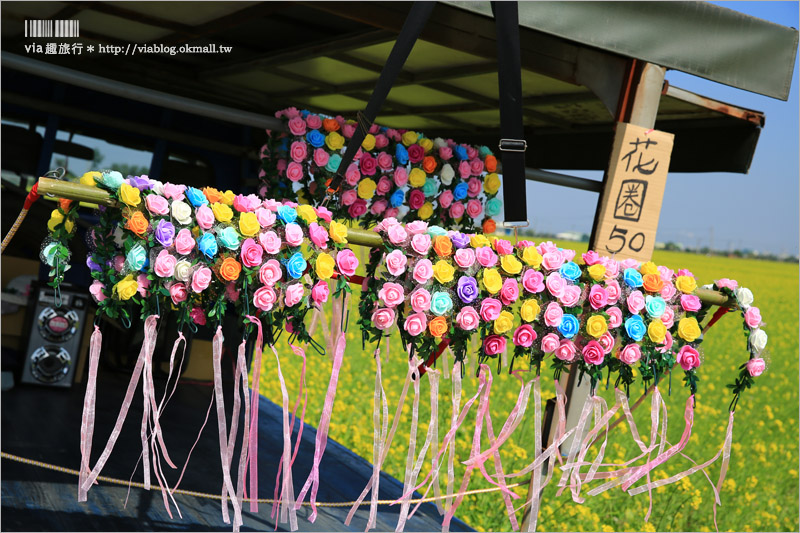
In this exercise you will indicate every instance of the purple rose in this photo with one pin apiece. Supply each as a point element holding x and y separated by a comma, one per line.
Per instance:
<point>140,182</point>
<point>165,232</point>
<point>467,289</point>
<point>94,267</point>
<point>460,240</point>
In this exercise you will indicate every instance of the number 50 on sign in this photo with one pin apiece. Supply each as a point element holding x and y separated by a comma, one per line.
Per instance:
<point>631,202</point>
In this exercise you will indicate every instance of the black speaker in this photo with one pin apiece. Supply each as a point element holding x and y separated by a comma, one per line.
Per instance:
<point>55,337</point>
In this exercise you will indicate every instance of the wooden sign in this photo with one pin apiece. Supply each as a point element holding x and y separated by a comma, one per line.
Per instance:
<point>631,203</point>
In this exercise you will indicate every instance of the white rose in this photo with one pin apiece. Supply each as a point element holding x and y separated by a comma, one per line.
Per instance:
<point>182,212</point>
<point>744,296</point>
<point>438,142</point>
<point>758,340</point>
<point>183,270</point>
<point>447,174</point>
<point>158,187</point>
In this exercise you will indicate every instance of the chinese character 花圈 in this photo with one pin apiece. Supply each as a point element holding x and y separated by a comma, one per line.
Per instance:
<point>630,200</point>
<point>647,167</point>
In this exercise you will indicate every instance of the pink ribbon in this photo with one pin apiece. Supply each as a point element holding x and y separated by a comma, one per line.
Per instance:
<point>87,420</point>
<point>196,440</point>
<point>255,398</point>
<point>223,440</point>
<point>536,481</point>
<point>409,479</point>
<point>237,403</point>
<point>287,502</point>
<point>457,368</point>
<point>245,448</point>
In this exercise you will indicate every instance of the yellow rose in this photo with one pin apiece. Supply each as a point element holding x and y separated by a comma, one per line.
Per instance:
<point>597,271</point>
<point>227,197</point>
<point>657,331</point>
<point>531,256</point>
<point>222,212</point>
<point>248,224</point>
<point>90,178</point>
<point>510,264</point>
<point>492,183</point>
<point>529,310</point>
<point>503,323</point>
<point>685,284</point>
<point>688,329</point>
<point>426,144</point>
<point>56,218</point>
<point>648,268</point>
<point>130,195</point>
<point>426,211</point>
<point>334,141</point>
<point>324,266</point>
<point>366,188</point>
<point>417,177</point>
<point>307,213</point>
<point>596,326</point>
<point>492,280</point>
<point>302,198</point>
<point>368,143</point>
<point>338,232</point>
<point>443,271</point>
<point>477,241</point>
<point>126,288</point>
<point>410,137</point>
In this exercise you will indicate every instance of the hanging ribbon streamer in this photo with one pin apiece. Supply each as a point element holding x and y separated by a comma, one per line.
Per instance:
<point>255,398</point>
<point>536,481</point>
<point>245,448</point>
<point>410,478</point>
<point>576,445</point>
<point>237,403</point>
<point>457,369</point>
<point>87,420</point>
<point>216,346</point>
<point>287,502</point>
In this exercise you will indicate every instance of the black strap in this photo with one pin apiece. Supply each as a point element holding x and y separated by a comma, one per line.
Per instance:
<point>417,17</point>
<point>509,77</point>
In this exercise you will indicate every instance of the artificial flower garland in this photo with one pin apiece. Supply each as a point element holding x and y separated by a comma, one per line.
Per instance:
<point>437,180</point>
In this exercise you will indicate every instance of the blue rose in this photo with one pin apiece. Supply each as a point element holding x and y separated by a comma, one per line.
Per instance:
<point>229,238</point>
<point>136,257</point>
<point>333,163</point>
<point>196,197</point>
<point>635,328</point>
<point>655,306</point>
<point>570,270</point>
<point>401,154</point>
<point>304,113</point>
<point>287,214</point>
<point>296,265</point>
<point>461,190</point>
<point>485,151</point>
<point>461,153</point>
<point>435,231</point>
<point>315,138</point>
<point>397,198</point>
<point>632,278</point>
<point>493,207</point>
<point>207,244</point>
<point>569,326</point>
<point>431,187</point>
<point>441,303</point>
<point>145,265</point>
<point>113,179</point>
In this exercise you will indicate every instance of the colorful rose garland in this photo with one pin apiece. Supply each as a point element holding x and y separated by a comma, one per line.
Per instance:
<point>437,180</point>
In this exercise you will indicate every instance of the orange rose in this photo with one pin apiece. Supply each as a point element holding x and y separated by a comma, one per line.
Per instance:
<point>652,283</point>
<point>230,269</point>
<point>443,246</point>
<point>137,223</point>
<point>429,164</point>
<point>490,163</point>
<point>330,125</point>
<point>64,204</point>
<point>213,195</point>
<point>489,226</point>
<point>438,326</point>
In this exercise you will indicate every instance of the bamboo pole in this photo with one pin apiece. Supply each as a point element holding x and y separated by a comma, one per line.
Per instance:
<point>54,188</point>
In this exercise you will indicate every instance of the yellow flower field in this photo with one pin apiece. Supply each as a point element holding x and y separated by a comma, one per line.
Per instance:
<point>761,489</point>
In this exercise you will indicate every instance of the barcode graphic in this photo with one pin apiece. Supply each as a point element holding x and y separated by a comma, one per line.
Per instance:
<point>52,28</point>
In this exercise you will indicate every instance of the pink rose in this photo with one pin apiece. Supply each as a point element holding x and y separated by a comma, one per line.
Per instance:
<point>396,262</point>
<point>533,281</point>
<point>383,318</point>
<point>490,309</point>
<point>464,257</point>
<point>463,169</point>
<point>612,267</point>
<point>415,153</point>
<point>598,297</point>
<point>298,152</point>
<point>184,243</point>
<point>685,272</point>
<point>524,336</point>
<point>385,161</point>
<point>607,341</point>
<point>358,208</point>
<point>119,262</point>
<point>270,272</point>
<point>503,246</point>
<point>752,317</point>
<point>572,293</point>
<point>324,213</point>
<point>665,273</point>
<point>566,350</point>
<point>281,166</point>
<point>200,279</point>
<point>392,294</point>
<point>486,257</point>
<point>593,353</point>
<point>552,260</point>
<point>294,293</point>
<point>205,217</point>
<point>397,234</point>
<point>509,291</point>
<point>467,319</point>
<point>474,187</point>
<point>612,291</point>
<point>416,199</point>
<point>614,317</point>
<point>590,258</point>
<point>629,263</point>
<point>731,284</point>
<point>556,284</point>
<point>630,354</point>
<point>347,262</point>
<point>666,346</point>
<point>457,210</point>
<point>755,367</point>
<point>156,204</point>
<point>474,208</point>
<point>668,318</point>
<point>420,300</point>
<point>320,292</point>
<point>96,290</point>
<point>349,197</point>
<point>294,234</point>
<point>174,192</point>
<point>294,172</point>
<point>635,302</point>
<point>415,324</point>
<point>668,291</point>
<point>352,176</point>
<point>688,357</point>
<point>550,343</point>
<point>381,141</point>
<point>476,167</point>
<point>321,157</point>
<point>178,293</point>
<point>568,254</point>
<point>553,315</point>
<point>314,122</point>
<point>270,241</point>
<point>546,247</point>
<point>400,176</point>
<point>446,199</point>
<point>242,204</point>
<point>494,344</point>
<point>418,226</point>
<point>391,212</point>
<point>198,316</point>
<point>251,253</point>
<point>297,126</point>
<point>472,152</point>
<point>690,302</point>
<point>384,184</point>
<point>348,130</point>
<point>271,204</point>
<point>264,298</point>
<point>423,271</point>
<point>318,235</point>
<point>368,165</point>
<point>385,224</point>
<point>445,153</point>
<point>165,264</point>
<point>421,243</point>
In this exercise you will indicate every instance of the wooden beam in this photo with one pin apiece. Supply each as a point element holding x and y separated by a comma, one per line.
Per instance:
<point>117,10</point>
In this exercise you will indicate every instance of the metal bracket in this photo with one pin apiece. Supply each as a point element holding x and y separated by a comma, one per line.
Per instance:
<point>513,145</point>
